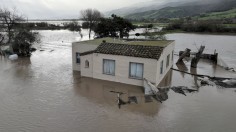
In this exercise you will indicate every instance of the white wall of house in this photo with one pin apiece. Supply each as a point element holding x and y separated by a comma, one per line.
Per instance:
<point>167,51</point>
<point>87,71</point>
<point>122,68</point>
<point>80,47</point>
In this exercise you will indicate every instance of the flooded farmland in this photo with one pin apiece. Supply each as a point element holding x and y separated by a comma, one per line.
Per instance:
<point>43,94</point>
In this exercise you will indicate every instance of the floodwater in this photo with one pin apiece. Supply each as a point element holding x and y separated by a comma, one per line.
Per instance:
<point>43,94</point>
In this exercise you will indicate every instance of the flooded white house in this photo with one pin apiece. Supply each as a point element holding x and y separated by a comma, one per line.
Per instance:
<point>124,61</point>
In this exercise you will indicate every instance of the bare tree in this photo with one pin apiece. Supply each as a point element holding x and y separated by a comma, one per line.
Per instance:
<point>15,33</point>
<point>91,17</point>
<point>8,20</point>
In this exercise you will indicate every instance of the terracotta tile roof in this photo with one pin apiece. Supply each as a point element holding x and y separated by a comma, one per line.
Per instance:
<point>87,52</point>
<point>153,52</point>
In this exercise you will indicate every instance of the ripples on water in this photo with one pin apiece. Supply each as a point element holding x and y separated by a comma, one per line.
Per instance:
<point>42,93</point>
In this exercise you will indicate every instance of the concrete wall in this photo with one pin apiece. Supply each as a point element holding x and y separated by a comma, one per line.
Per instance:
<point>122,68</point>
<point>167,51</point>
<point>80,47</point>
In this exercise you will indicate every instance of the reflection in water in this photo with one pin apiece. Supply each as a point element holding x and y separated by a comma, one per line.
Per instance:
<point>121,94</point>
<point>194,71</point>
<point>99,91</point>
<point>182,67</point>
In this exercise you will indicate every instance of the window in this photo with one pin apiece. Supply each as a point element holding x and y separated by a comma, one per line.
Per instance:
<point>86,64</point>
<point>108,67</point>
<point>77,58</point>
<point>168,60</point>
<point>136,70</point>
<point>161,68</point>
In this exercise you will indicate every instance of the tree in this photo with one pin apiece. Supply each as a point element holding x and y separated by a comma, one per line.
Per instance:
<point>122,25</point>
<point>9,20</point>
<point>91,17</point>
<point>19,35</point>
<point>113,27</point>
<point>23,40</point>
<point>73,26</point>
<point>157,35</point>
<point>160,35</point>
<point>106,28</point>
<point>146,31</point>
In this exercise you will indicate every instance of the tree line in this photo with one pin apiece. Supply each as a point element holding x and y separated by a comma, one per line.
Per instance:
<point>72,25</point>
<point>199,26</point>
<point>114,26</point>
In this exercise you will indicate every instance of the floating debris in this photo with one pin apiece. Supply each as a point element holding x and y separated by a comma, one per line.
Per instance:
<point>132,99</point>
<point>13,57</point>
<point>227,83</point>
<point>221,63</point>
<point>119,100</point>
<point>156,97</point>
<point>179,89</point>
<point>148,98</point>
<point>187,90</point>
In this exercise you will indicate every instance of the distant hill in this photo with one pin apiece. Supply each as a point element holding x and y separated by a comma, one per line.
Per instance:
<point>142,7</point>
<point>217,15</point>
<point>184,10</point>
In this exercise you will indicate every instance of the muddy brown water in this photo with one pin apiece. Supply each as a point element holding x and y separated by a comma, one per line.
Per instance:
<point>43,94</point>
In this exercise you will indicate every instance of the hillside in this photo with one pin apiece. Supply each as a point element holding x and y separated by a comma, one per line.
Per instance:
<point>188,9</point>
<point>142,7</point>
<point>217,15</point>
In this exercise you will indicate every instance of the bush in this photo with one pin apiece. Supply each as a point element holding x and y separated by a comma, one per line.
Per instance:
<point>23,39</point>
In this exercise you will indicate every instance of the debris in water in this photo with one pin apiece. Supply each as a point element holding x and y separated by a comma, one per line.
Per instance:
<point>230,69</point>
<point>213,80</point>
<point>13,57</point>
<point>187,90</point>
<point>132,99</point>
<point>227,83</point>
<point>178,90</point>
<point>41,50</point>
<point>221,63</point>
<point>33,49</point>
<point>156,97</point>
<point>51,50</point>
<point>119,100</point>
<point>148,99</point>
<point>230,82</point>
<point>204,83</point>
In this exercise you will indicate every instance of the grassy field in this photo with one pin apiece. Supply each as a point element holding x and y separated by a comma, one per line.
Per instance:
<point>146,23</point>
<point>218,15</point>
<point>230,25</point>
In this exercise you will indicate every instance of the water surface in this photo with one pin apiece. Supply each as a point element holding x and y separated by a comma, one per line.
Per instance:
<point>42,93</point>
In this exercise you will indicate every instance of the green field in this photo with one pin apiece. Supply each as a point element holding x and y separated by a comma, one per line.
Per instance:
<point>218,15</point>
<point>230,25</point>
<point>146,23</point>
